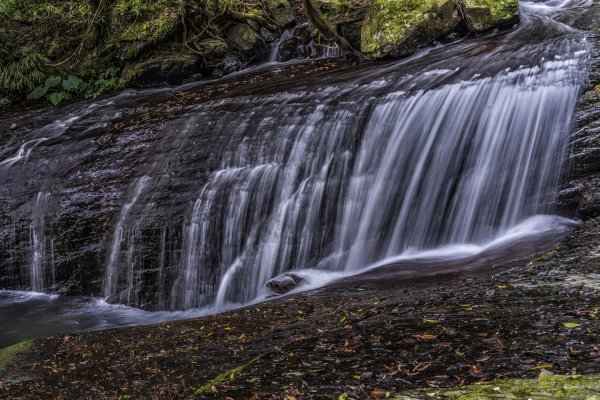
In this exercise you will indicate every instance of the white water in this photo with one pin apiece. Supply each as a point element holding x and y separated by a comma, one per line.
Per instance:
<point>274,56</point>
<point>38,240</point>
<point>115,277</point>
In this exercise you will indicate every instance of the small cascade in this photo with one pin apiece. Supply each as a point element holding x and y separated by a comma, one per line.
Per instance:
<point>331,50</point>
<point>286,35</point>
<point>119,280</point>
<point>38,243</point>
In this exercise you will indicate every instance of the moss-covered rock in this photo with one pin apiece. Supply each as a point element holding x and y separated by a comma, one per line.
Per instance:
<point>7,354</point>
<point>282,12</point>
<point>482,15</point>
<point>167,68</point>
<point>135,29</point>
<point>548,386</point>
<point>399,27</point>
<point>243,38</point>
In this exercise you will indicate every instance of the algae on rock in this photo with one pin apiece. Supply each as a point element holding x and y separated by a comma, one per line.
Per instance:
<point>547,386</point>
<point>399,27</point>
<point>394,28</point>
<point>7,354</point>
<point>483,15</point>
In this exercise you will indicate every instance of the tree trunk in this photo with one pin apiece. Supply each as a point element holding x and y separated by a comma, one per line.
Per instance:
<point>316,19</point>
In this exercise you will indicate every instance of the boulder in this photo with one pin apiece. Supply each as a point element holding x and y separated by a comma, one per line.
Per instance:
<point>483,15</point>
<point>284,283</point>
<point>169,68</point>
<point>399,27</point>
<point>213,47</point>
<point>232,63</point>
<point>394,28</point>
<point>243,38</point>
<point>282,12</point>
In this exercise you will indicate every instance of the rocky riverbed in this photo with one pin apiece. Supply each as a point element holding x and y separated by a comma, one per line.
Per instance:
<point>357,339</point>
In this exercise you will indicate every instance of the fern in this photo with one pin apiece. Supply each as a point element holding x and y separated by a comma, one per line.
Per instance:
<point>24,74</point>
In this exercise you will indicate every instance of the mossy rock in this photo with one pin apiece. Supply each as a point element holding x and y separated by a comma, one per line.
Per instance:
<point>281,10</point>
<point>7,354</point>
<point>399,27</point>
<point>483,15</point>
<point>169,68</point>
<point>243,38</point>
<point>135,29</point>
<point>546,387</point>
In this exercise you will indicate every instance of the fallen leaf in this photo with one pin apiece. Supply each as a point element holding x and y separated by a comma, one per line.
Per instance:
<point>539,367</point>
<point>425,336</point>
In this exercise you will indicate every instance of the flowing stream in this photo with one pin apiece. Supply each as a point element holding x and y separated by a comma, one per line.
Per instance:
<point>449,154</point>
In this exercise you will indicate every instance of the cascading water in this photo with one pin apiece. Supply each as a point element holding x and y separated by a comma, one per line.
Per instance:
<point>124,236</point>
<point>275,56</point>
<point>457,146</point>
<point>39,256</point>
<point>345,176</point>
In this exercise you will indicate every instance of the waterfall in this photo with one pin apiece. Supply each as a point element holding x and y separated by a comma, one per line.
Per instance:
<point>274,56</point>
<point>456,146</point>
<point>340,185</point>
<point>38,242</point>
<point>120,279</point>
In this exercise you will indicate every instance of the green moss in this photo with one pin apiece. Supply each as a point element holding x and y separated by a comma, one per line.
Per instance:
<point>551,387</point>
<point>399,27</point>
<point>8,353</point>
<point>224,377</point>
<point>545,257</point>
<point>136,24</point>
<point>482,15</point>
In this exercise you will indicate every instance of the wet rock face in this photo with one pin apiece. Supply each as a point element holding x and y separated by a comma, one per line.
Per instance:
<point>395,28</point>
<point>580,196</point>
<point>284,283</point>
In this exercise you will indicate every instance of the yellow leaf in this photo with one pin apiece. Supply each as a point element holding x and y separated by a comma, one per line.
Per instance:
<point>426,336</point>
<point>571,325</point>
<point>545,366</point>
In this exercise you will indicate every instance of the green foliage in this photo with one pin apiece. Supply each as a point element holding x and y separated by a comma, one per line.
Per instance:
<point>10,9</point>
<point>53,90</point>
<point>57,89</point>
<point>106,82</point>
<point>23,74</point>
<point>40,11</point>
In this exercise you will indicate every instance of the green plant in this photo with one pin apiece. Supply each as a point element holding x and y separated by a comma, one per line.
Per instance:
<point>23,74</point>
<point>106,82</point>
<point>57,89</point>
